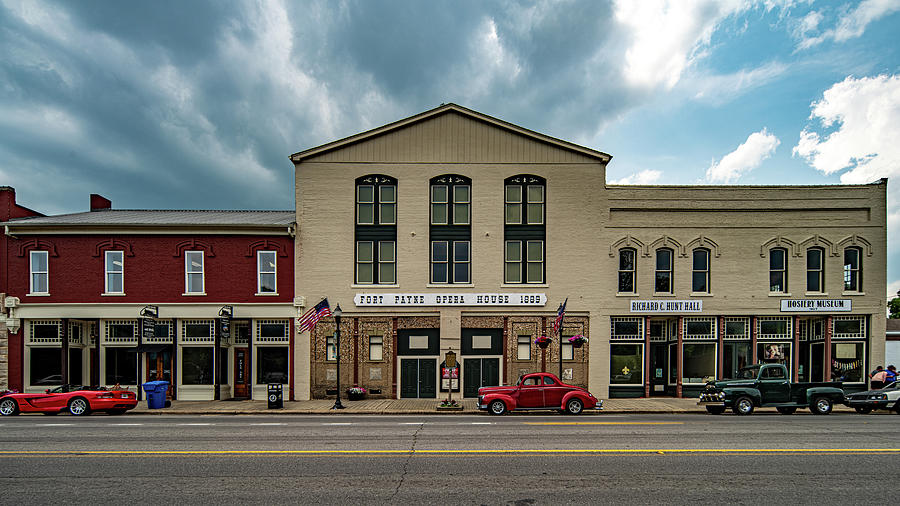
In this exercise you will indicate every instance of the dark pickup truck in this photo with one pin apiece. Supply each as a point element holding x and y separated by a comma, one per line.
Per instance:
<point>767,385</point>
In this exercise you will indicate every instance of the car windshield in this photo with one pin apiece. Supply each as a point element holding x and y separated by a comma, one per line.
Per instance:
<point>748,373</point>
<point>892,386</point>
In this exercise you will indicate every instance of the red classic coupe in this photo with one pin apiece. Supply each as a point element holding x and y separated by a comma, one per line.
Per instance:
<point>77,400</point>
<point>539,390</point>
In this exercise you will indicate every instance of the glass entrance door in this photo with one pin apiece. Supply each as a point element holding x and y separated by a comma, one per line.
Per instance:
<point>159,367</point>
<point>658,356</point>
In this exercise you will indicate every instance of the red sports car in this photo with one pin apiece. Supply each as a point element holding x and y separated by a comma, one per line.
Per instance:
<point>539,390</point>
<point>77,400</point>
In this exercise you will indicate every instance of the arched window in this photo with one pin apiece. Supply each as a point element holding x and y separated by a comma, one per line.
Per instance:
<point>627,268</point>
<point>853,269</point>
<point>778,270</point>
<point>451,229</point>
<point>376,230</point>
<point>663,280</point>
<point>815,270</point>
<point>524,229</point>
<point>700,271</point>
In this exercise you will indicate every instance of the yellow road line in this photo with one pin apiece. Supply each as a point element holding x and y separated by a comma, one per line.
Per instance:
<point>603,423</point>
<point>588,451</point>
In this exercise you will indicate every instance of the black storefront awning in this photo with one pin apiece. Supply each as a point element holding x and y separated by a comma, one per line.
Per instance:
<point>150,348</point>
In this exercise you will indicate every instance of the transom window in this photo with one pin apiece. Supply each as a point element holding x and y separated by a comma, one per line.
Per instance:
<point>627,259</point>
<point>853,269</point>
<point>266,274</point>
<point>193,272</point>
<point>115,272</point>
<point>663,280</point>
<point>451,200</point>
<point>700,274</point>
<point>778,270</point>
<point>376,230</point>
<point>626,328</point>
<point>40,273</point>
<point>815,272</point>
<point>524,229</point>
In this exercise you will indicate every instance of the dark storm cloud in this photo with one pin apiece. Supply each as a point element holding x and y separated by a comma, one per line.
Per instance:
<point>198,104</point>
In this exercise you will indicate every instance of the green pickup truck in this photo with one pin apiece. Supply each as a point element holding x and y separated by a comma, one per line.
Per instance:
<point>768,386</point>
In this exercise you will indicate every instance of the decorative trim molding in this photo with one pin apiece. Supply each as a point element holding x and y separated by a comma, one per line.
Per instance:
<point>818,241</point>
<point>114,244</point>
<point>193,244</point>
<point>779,242</point>
<point>855,240</point>
<point>265,245</point>
<point>666,242</point>
<point>37,244</point>
<point>704,242</point>
<point>629,242</point>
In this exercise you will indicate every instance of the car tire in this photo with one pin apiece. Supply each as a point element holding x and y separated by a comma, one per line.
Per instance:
<point>743,406</point>
<point>863,410</point>
<point>79,406</point>
<point>497,407</point>
<point>715,410</point>
<point>821,406</point>
<point>9,407</point>
<point>115,412</point>
<point>786,410</point>
<point>574,406</point>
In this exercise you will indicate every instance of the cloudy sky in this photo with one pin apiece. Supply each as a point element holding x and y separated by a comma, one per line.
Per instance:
<point>172,104</point>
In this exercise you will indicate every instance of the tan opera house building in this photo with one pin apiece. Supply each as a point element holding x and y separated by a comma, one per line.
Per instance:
<point>455,231</point>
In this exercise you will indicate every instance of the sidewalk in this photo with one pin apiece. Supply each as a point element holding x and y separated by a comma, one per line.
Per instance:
<point>413,407</point>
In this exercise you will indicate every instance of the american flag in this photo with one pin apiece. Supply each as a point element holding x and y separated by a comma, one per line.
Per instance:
<point>560,314</point>
<point>309,318</point>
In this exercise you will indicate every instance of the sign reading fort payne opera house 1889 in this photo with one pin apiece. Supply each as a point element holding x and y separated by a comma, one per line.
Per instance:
<point>449,299</point>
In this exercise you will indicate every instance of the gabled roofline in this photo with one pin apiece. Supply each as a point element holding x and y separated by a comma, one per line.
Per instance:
<point>442,109</point>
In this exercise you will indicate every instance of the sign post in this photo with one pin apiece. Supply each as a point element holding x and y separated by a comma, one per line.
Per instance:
<point>450,363</point>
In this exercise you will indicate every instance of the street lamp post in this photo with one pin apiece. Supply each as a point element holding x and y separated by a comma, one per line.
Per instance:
<point>337,353</point>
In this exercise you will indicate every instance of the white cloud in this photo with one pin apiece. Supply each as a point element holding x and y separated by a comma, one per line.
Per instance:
<point>490,65</point>
<point>642,177</point>
<point>719,89</point>
<point>758,146</point>
<point>667,36</point>
<point>850,25</point>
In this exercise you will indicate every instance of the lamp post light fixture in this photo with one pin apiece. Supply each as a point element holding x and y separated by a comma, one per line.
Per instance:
<point>337,354</point>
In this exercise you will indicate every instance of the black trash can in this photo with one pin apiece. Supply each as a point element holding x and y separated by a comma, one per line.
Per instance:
<point>275,398</point>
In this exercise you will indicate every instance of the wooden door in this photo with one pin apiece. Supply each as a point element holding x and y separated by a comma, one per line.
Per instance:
<point>241,372</point>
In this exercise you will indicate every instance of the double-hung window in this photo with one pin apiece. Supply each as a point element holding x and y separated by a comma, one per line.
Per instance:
<point>815,272</point>
<point>700,273</point>
<point>40,272</point>
<point>265,271</point>
<point>853,269</point>
<point>193,272</point>
<point>524,229</point>
<point>451,230</point>
<point>663,280</point>
<point>778,270</point>
<point>627,264</point>
<point>115,272</point>
<point>376,230</point>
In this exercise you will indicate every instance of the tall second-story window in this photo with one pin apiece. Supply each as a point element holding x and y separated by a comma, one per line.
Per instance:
<point>193,272</point>
<point>524,229</point>
<point>700,273</point>
<point>853,269</point>
<point>376,230</point>
<point>115,272</point>
<point>627,259</point>
<point>778,270</point>
<point>40,272</point>
<point>451,229</point>
<point>815,272</point>
<point>663,279</point>
<point>265,271</point>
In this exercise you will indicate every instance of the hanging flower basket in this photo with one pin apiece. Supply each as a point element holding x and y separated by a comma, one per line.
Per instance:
<point>577,340</point>
<point>356,393</point>
<point>543,341</point>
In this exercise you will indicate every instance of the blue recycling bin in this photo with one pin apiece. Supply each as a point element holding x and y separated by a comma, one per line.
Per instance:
<point>156,393</point>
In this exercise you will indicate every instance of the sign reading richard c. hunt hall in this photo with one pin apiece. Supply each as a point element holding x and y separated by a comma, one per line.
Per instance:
<point>816,305</point>
<point>666,306</point>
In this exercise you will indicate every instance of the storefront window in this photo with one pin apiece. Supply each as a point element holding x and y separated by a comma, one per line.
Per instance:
<point>197,365</point>
<point>775,353</point>
<point>847,362</point>
<point>46,367</point>
<point>737,355</point>
<point>626,363</point>
<point>673,363</point>
<point>121,366</point>
<point>699,362</point>
<point>272,364</point>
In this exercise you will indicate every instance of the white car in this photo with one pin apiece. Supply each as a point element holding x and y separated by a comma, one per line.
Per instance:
<point>883,398</point>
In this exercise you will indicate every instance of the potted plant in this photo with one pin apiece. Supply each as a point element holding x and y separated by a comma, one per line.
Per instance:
<point>356,393</point>
<point>577,340</point>
<point>543,341</point>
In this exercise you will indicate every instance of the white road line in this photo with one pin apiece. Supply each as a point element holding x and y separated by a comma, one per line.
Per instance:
<point>412,423</point>
<point>193,424</point>
<point>273,423</point>
<point>338,423</point>
<point>55,424</point>
<point>127,424</point>
<point>479,423</point>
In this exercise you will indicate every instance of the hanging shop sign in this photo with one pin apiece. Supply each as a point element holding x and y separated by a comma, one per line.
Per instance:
<point>666,306</point>
<point>816,305</point>
<point>449,299</point>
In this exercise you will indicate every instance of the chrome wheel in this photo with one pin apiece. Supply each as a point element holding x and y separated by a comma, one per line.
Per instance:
<point>822,406</point>
<point>743,406</point>
<point>78,406</point>
<point>498,407</point>
<point>8,407</point>
<point>574,406</point>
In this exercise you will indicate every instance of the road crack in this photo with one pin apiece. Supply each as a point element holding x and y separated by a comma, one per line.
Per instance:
<point>409,455</point>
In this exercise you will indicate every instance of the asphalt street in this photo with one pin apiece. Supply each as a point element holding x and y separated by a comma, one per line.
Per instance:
<point>548,459</point>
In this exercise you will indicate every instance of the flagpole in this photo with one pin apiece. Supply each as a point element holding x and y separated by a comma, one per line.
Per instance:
<point>559,336</point>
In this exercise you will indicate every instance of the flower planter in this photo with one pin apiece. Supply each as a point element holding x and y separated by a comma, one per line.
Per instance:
<point>577,344</point>
<point>355,397</point>
<point>543,344</point>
